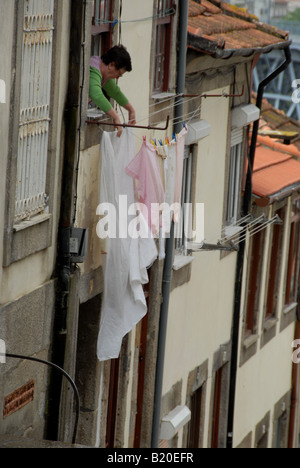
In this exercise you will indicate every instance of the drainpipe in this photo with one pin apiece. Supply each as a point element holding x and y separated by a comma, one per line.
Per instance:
<point>240,260</point>
<point>168,264</point>
<point>63,264</point>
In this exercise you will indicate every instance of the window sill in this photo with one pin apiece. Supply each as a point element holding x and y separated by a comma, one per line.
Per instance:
<point>31,222</point>
<point>232,230</point>
<point>27,238</point>
<point>162,96</point>
<point>180,261</point>
<point>270,323</point>
<point>290,308</point>
<point>95,114</point>
<point>250,341</point>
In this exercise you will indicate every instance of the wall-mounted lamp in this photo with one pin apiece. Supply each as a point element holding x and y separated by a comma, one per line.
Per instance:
<point>244,115</point>
<point>174,421</point>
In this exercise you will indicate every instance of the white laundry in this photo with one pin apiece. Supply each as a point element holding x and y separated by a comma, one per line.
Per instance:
<point>127,259</point>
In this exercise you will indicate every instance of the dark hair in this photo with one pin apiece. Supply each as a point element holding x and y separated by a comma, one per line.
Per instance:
<point>118,55</point>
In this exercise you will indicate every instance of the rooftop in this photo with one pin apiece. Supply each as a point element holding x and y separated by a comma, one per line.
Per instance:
<point>275,175</point>
<point>223,30</point>
<point>277,165</point>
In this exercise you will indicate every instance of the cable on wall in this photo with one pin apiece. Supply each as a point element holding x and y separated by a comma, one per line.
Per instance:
<point>63,372</point>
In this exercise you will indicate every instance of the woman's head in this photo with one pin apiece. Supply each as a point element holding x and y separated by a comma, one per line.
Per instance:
<point>119,56</point>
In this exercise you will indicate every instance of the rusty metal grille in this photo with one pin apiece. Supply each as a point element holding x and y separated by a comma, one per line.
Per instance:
<point>31,196</point>
<point>18,399</point>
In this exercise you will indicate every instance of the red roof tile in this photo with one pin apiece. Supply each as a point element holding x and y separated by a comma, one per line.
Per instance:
<point>221,29</point>
<point>274,173</point>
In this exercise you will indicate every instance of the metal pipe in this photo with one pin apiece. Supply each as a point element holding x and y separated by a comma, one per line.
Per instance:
<point>241,253</point>
<point>167,273</point>
<point>146,127</point>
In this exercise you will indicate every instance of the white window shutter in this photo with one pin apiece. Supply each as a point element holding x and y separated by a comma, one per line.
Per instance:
<point>31,197</point>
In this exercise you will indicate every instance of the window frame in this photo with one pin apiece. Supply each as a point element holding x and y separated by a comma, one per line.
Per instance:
<point>34,112</point>
<point>196,418</point>
<point>187,196</point>
<point>196,384</point>
<point>102,32</point>
<point>235,173</point>
<point>254,283</point>
<point>163,32</point>
<point>219,397</point>
<point>33,235</point>
<point>293,257</point>
<point>275,260</point>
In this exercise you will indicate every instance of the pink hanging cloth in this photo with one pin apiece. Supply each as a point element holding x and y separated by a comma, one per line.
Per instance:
<point>149,188</point>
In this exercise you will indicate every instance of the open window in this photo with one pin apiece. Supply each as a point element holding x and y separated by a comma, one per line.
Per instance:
<point>102,26</point>
<point>236,166</point>
<point>163,39</point>
<point>241,117</point>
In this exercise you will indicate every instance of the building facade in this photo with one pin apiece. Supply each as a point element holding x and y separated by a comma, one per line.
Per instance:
<point>192,67</point>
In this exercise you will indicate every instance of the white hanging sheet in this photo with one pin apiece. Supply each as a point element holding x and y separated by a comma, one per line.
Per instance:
<point>127,259</point>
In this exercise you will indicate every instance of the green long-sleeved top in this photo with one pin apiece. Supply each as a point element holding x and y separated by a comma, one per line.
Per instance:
<point>110,87</point>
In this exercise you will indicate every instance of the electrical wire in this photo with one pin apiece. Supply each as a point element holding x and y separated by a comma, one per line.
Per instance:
<point>63,372</point>
<point>166,13</point>
<point>249,230</point>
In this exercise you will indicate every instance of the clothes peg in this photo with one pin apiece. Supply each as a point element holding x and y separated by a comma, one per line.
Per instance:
<point>114,24</point>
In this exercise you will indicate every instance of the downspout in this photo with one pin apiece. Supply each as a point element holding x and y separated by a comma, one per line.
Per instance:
<point>63,263</point>
<point>240,259</point>
<point>168,264</point>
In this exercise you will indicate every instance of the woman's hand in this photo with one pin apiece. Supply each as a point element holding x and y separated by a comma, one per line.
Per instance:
<point>131,114</point>
<point>117,122</point>
<point>118,127</point>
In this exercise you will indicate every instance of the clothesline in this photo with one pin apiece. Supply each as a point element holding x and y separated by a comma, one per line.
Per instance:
<point>259,228</point>
<point>249,230</point>
<point>239,232</point>
<point>172,106</point>
<point>186,118</point>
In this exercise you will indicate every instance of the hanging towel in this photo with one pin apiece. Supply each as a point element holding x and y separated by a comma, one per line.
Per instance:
<point>145,171</point>
<point>127,259</point>
<point>174,174</point>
